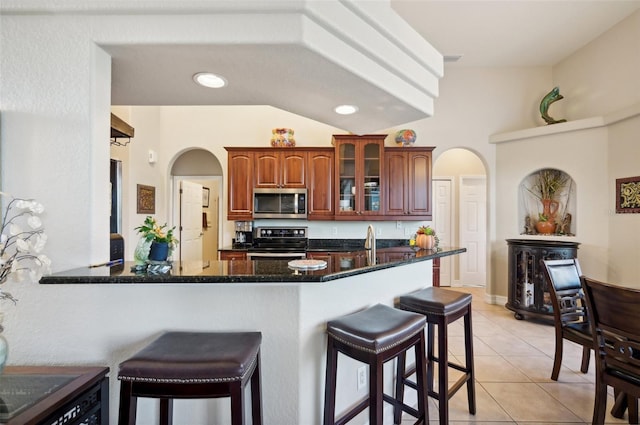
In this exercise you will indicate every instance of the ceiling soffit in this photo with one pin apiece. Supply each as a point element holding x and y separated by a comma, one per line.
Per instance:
<point>315,56</point>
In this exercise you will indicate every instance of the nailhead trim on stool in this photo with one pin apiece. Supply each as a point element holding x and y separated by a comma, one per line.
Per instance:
<point>442,307</point>
<point>193,365</point>
<point>374,336</point>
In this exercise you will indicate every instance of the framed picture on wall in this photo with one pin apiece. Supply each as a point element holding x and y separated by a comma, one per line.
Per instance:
<point>205,197</point>
<point>628,195</point>
<point>146,199</point>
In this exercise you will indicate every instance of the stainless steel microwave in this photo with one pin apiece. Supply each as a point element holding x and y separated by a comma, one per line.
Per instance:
<point>279,203</point>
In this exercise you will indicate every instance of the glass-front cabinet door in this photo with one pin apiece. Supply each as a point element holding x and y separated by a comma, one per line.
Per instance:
<point>358,175</point>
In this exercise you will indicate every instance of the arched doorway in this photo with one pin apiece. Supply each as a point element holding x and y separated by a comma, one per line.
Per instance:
<point>199,168</point>
<point>460,215</point>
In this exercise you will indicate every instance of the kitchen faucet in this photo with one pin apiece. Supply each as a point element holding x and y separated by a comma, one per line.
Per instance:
<point>370,245</point>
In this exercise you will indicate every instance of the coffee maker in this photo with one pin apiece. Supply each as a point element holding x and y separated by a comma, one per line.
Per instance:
<point>244,234</point>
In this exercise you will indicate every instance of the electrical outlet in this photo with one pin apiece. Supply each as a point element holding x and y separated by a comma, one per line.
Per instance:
<point>398,225</point>
<point>362,377</point>
<point>378,231</point>
<point>334,230</point>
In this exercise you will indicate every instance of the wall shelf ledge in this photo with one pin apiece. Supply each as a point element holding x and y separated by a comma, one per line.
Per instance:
<point>577,125</point>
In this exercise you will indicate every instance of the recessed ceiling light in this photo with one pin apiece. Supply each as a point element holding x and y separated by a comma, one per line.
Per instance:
<point>210,80</point>
<point>346,109</point>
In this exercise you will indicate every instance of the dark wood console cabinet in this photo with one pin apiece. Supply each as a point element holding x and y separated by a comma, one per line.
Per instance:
<point>54,395</point>
<point>528,287</point>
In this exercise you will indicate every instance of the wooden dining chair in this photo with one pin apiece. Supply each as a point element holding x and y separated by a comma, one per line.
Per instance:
<point>569,310</point>
<point>615,324</point>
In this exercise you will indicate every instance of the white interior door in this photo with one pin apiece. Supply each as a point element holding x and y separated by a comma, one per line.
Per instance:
<point>473,230</point>
<point>442,219</point>
<point>190,221</point>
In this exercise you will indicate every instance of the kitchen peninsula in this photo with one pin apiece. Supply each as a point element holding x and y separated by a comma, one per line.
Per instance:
<point>289,307</point>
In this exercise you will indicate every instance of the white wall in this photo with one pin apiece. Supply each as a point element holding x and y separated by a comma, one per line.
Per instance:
<point>602,77</point>
<point>623,263</point>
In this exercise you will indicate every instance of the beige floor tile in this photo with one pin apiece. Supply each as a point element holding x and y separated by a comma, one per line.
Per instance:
<point>579,399</point>
<point>508,345</point>
<point>497,369</point>
<point>538,369</point>
<point>529,402</point>
<point>480,348</point>
<point>487,409</point>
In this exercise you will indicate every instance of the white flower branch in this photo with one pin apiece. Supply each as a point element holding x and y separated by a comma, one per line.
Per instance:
<point>22,240</point>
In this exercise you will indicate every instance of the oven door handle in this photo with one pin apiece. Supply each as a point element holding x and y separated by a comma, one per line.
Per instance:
<point>276,254</point>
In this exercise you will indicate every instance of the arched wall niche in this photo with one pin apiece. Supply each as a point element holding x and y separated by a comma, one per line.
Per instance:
<point>547,203</point>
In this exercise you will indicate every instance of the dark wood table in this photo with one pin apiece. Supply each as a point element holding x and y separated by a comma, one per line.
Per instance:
<point>43,395</point>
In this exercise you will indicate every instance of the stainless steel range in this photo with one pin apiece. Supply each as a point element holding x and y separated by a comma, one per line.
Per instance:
<point>278,243</point>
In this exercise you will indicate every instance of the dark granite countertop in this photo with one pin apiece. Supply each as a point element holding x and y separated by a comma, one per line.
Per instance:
<point>249,271</point>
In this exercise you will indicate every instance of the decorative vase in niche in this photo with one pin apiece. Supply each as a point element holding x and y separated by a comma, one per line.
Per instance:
<point>425,241</point>
<point>159,251</point>
<point>545,227</point>
<point>4,346</point>
<point>549,209</point>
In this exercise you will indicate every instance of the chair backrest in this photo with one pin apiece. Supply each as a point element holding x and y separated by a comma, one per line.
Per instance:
<point>567,297</point>
<point>615,324</point>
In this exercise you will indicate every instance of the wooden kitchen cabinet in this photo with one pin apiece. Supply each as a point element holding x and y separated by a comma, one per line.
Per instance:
<point>280,168</point>
<point>320,170</point>
<point>326,256</point>
<point>407,184</point>
<point>240,184</point>
<point>231,255</point>
<point>359,176</point>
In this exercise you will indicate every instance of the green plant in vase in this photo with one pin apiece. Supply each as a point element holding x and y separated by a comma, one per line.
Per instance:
<point>157,242</point>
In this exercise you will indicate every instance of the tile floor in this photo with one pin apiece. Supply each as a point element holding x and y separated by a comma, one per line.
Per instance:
<point>513,362</point>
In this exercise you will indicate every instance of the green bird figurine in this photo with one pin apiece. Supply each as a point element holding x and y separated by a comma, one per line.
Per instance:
<point>553,96</point>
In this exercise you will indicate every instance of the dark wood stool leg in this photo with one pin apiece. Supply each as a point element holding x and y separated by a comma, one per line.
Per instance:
<point>430,355</point>
<point>128,404</point>
<point>443,372</point>
<point>375,392</point>
<point>330,383</point>
<point>256,394</point>
<point>421,380</point>
<point>237,403</point>
<point>468,342</point>
<point>166,411</point>
<point>400,372</point>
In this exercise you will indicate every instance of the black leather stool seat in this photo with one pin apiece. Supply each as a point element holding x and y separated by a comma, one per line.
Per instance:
<point>441,302</point>
<point>374,336</point>
<point>193,365</point>
<point>441,307</point>
<point>375,329</point>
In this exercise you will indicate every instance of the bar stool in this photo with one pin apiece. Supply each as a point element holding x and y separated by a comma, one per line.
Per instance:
<point>374,336</point>
<point>192,365</point>
<point>442,307</point>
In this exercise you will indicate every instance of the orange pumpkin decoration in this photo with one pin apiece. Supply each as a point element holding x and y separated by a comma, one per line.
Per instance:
<point>425,241</point>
